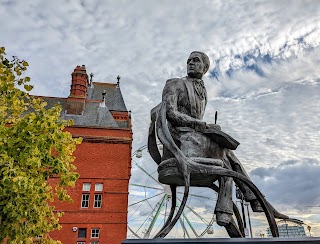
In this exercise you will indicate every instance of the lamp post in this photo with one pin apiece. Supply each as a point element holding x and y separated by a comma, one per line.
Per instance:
<point>247,205</point>
<point>240,196</point>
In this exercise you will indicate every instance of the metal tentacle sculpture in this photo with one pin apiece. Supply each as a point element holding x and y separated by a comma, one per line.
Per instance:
<point>187,166</point>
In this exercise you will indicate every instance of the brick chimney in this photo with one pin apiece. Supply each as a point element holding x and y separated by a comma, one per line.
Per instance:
<point>79,83</point>
<point>78,91</point>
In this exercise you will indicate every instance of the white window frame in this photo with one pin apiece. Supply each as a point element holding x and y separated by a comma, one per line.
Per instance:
<point>97,201</point>
<point>98,187</point>
<point>94,242</point>
<point>86,186</point>
<point>95,233</point>
<point>85,200</point>
<point>81,242</point>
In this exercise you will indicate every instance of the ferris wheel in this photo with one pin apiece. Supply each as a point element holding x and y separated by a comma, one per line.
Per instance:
<point>150,201</point>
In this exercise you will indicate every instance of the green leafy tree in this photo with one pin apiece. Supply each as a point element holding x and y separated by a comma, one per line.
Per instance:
<point>33,148</point>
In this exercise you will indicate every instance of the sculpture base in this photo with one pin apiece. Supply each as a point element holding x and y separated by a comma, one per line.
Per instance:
<point>224,240</point>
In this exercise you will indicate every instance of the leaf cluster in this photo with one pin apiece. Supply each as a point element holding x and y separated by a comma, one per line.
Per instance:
<point>33,148</point>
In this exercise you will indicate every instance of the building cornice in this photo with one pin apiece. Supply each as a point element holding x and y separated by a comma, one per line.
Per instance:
<point>103,139</point>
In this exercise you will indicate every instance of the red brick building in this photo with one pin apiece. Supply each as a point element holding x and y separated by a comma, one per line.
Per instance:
<point>99,211</point>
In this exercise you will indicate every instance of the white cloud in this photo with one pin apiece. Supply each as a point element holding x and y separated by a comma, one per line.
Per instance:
<point>296,182</point>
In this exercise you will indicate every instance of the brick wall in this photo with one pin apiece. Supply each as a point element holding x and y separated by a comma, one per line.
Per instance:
<point>103,157</point>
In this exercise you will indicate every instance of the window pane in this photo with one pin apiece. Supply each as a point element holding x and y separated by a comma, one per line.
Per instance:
<point>81,242</point>
<point>94,242</point>
<point>85,201</point>
<point>86,186</point>
<point>82,233</point>
<point>98,187</point>
<point>95,233</point>
<point>97,201</point>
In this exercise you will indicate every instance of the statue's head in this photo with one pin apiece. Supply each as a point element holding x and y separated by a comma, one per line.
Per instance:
<point>197,64</point>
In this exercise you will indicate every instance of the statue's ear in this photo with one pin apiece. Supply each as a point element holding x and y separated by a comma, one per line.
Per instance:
<point>206,68</point>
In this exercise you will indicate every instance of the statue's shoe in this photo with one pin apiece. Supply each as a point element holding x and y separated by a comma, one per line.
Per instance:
<point>223,219</point>
<point>226,220</point>
<point>256,207</point>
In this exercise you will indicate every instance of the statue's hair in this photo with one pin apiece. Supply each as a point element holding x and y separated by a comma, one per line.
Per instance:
<point>205,59</point>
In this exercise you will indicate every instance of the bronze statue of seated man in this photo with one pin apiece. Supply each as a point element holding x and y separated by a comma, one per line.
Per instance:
<point>185,100</point>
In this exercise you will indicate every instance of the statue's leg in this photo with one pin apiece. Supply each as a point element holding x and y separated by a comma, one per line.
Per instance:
<point>224,207</point>
<point>224,202</point>
<point>235,210</point>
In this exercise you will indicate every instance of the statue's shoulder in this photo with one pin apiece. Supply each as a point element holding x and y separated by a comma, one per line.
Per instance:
<point>176,82</point>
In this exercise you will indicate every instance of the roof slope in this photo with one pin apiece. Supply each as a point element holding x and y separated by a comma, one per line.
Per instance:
<point>114,98</point>
<point>94,113</point>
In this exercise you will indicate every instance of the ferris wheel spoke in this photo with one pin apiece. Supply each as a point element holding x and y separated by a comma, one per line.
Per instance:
<point>195,195</point>
<point>184,228</point>
<point>149,187</point>
<point>134,212</point>
<point>146,172</point>
<point>140,215</point>
<point>150,214</point>
<point>190,225</point>
<point>145,220</point>
<point>196,214</point>
<point>146,199</point>
<point>154,219</point>
<point>133,232</point>
<point>165,211</point>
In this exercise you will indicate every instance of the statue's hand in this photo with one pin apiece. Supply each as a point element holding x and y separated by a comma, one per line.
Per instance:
<point>213,127</point>
<point>200,126</point>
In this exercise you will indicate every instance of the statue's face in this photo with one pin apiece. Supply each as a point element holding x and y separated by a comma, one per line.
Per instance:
<point>195,66</point>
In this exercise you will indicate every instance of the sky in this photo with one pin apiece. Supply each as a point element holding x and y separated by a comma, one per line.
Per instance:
<point>264,77</point>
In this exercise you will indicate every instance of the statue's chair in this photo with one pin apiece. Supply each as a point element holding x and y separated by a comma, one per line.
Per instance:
<point>186,169</point>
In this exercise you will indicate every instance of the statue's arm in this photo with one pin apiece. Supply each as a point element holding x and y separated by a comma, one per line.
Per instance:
<point>171,92</point>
